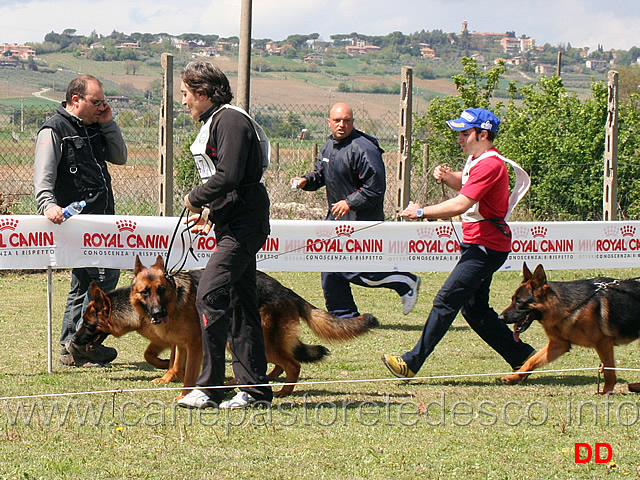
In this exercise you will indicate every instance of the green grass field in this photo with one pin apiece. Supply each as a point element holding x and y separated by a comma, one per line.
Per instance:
<point>26,102</point>
<point>347,418</point>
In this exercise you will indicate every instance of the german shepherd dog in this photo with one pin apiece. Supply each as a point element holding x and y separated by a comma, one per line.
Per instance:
<point>598,313</point>
<point>164,312</point>
<point>160,308</point>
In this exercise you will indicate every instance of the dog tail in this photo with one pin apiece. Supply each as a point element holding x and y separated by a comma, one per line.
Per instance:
<point>330,327</point>
<point>309,353</point>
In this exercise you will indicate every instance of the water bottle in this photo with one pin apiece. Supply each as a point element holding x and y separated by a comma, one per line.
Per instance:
<point>73,209</point>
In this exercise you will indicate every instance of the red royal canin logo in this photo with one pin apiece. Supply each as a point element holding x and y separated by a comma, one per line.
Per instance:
<point>539,232</point>
<point>344,230</point>
<point>628,231</point>
<point>8,224</point>
<point>126,225</point>
<point>539,243</point>
<point>445,231</point>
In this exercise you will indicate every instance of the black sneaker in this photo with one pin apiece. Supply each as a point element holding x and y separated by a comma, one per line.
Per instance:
<point>94,353</point>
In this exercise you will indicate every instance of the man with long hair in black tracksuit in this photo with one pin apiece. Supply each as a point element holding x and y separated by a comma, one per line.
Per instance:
<point>233,197</point>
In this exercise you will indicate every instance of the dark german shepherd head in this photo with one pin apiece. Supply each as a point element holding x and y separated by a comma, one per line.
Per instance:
<point>527,304</point>
<point>153,292</point>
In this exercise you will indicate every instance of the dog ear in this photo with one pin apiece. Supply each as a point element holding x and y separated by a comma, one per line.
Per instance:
<point>526,273</point>
<point>139,266</point>
<point>100,300</point>
<point>159,263</point>
<point>95,290</point>
<point>539,278</point>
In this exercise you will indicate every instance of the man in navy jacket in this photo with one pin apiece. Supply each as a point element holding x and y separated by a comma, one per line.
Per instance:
<point>351,168</point>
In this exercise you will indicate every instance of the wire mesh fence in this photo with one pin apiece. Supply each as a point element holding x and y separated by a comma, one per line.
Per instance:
<point>296,131</point>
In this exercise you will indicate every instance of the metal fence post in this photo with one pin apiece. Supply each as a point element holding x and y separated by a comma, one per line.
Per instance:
<point>314,155</point>
<point>165,139</point>
<point>275,156</point>
<point>244,57</point>
<point>610,192</point>
<point>404,142</point>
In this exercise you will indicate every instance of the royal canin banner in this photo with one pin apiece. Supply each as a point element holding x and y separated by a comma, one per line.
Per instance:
<point>33,242</point>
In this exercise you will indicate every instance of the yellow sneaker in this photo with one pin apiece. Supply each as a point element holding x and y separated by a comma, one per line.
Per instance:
<point>397,366</point>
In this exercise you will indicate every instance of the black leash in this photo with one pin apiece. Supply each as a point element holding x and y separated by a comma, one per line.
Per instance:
<point>175,269</point>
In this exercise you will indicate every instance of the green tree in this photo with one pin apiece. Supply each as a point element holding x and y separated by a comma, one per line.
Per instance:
<point>559,140</point>
<point>476,90</point>
<point>186,173</point>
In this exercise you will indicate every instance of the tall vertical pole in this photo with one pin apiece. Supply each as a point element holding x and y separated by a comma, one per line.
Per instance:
<point>244,57</point>
<point>610,191</point>
<point>165,139</point>
<point>49,320</point>
<point>404,140</point>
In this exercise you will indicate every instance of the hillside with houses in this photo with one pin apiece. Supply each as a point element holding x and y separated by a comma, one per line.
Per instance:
<point>353,63</point>
<point>425,48</point>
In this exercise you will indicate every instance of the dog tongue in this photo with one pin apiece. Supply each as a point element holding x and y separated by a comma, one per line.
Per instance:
<point>164,320</point>
<point>516,335</point>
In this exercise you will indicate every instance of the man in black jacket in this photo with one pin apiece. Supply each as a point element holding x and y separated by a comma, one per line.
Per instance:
<point>233,197</point>
<point>350,166</point>
<point>72,151</point>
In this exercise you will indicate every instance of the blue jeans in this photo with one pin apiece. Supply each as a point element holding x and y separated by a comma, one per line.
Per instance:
<point>466,290</point>
<point>79,296</point>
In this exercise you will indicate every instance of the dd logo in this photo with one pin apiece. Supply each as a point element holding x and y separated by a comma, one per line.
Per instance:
<point>584,453</point>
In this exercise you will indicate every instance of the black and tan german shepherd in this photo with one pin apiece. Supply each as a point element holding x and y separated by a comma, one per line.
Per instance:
<point>160,308</point>
<point>598,313</point>
<point>163,310</point>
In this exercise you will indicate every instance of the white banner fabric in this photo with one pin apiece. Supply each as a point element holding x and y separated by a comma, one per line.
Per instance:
<point>33,242</point>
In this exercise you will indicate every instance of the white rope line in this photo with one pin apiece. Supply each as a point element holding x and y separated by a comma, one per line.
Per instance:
<point>319,382</point>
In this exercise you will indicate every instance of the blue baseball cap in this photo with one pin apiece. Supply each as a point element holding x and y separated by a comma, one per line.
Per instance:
<point>475,118</point>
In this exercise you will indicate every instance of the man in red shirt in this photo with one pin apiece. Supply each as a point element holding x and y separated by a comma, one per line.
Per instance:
<point>484,205</point>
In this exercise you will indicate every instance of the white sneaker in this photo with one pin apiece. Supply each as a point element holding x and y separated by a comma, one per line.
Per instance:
<point>196,399</point>
<point>241,400</point>
<point>410,298</point>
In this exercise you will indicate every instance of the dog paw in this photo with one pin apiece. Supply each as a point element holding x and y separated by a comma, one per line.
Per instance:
<point>282,393</point>
<point>511,380</point>
<point>162,380</point>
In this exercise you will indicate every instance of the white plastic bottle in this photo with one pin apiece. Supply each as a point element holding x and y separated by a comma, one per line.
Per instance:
<point>73,209</point>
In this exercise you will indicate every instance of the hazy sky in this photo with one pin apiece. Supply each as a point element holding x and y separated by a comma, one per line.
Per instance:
<point>612,23</point>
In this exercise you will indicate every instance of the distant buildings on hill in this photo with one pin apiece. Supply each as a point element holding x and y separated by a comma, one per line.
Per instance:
<point>23,52</point>
<point>517,51</point>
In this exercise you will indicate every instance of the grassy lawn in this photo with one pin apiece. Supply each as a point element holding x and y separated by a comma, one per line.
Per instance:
<point>25,102</point>
<point>347,419</point>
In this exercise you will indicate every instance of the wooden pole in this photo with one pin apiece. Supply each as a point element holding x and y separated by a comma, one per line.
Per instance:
<point>610,191</point>
<point>165,139</point>
<point>244,57</point>
<point>403,193</point>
